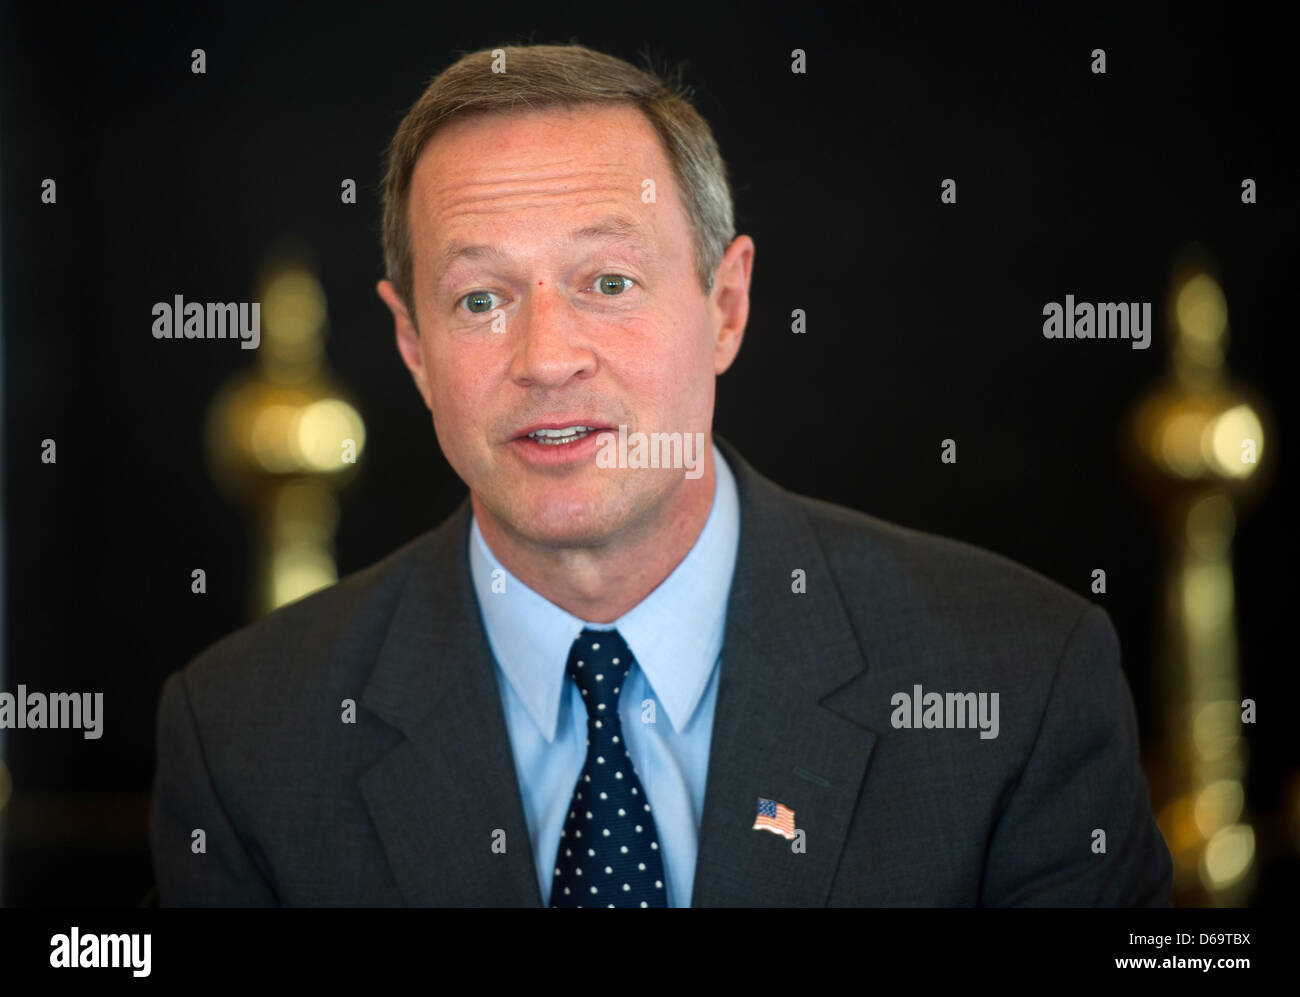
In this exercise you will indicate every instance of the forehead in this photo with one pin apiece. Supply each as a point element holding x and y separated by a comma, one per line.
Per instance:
<point>502,171</point>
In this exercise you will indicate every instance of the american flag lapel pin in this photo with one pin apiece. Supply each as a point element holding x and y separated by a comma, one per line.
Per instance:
<point>774,817</point>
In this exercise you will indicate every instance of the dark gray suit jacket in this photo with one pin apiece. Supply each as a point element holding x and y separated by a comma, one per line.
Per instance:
<point>300,808</point>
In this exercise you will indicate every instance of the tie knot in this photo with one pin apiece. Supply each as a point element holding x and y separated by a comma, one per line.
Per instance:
<point>598,664</point>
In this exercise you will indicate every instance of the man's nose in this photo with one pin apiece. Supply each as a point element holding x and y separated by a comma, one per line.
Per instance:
<point>553,345</point>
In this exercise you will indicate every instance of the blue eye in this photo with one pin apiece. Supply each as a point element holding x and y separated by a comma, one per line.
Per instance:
<point>478,301</point>
<point>613,283</point>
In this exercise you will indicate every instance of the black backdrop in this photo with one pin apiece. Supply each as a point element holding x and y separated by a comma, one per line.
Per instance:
<point>924,319</point>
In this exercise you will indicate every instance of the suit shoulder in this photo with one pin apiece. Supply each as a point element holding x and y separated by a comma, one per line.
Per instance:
<point>911,572</point>
<point>309,647</point>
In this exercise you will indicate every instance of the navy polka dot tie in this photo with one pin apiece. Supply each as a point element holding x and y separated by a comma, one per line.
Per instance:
<point>609,850</point>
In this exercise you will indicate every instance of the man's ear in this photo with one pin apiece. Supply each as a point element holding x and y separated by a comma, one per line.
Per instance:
<point>730,300</point>
<point>408,339</point>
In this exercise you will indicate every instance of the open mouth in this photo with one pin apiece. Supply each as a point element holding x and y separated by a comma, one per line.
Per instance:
<point>560,437</point>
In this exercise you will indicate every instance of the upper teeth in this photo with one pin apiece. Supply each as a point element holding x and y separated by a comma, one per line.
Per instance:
<point>565,435</point>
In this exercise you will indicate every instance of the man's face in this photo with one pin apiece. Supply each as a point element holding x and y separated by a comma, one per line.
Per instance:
<point>549,293</point>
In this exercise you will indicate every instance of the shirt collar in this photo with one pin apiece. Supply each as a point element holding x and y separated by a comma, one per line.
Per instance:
<point>675,633</point>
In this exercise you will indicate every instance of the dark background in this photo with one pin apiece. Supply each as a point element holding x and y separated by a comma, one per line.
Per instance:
<point>924,320</point>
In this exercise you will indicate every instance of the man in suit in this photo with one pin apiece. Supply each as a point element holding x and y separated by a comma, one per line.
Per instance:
<point>631,675</point>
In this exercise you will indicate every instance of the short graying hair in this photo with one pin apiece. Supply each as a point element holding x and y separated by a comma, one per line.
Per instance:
<point>539,77</point>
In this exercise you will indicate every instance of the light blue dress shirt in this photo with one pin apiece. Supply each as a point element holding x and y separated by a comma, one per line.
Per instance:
<point>675,635</point>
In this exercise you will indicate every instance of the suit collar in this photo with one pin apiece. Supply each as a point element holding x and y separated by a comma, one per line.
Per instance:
<point>445,800</point>
<point>775,734</point>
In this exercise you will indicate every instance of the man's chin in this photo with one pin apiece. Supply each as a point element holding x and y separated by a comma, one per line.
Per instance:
<point>568,520</point>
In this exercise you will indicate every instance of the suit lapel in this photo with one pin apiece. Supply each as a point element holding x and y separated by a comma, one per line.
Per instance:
<point>439,796</point>
<point>783,653</point>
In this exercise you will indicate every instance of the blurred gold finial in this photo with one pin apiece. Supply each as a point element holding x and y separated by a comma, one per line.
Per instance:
<point>1198,443</point>
<point>282,439</point>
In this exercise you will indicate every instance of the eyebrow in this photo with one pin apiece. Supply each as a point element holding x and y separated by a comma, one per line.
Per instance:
<point>605,227</point>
